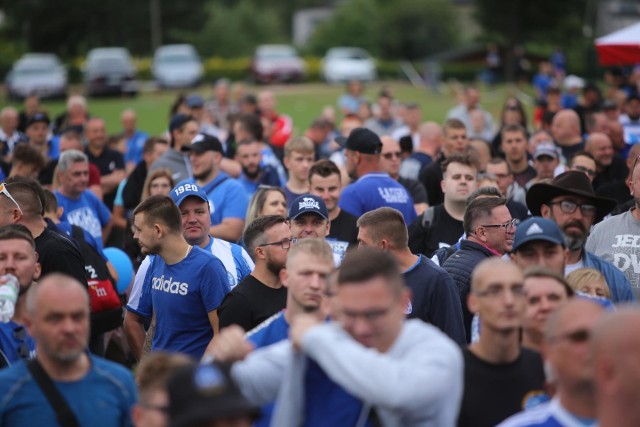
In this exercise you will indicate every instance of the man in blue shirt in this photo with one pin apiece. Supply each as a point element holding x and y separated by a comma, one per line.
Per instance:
<point>228,200</point>
<point>135,139</point>
<point>373,188</point>
<point>97,392</point>
<point>18,257</point>
<point>183,287</point>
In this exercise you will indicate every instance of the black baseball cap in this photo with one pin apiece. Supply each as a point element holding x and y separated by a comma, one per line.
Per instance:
<point>37,118</point>
<point>308,203</point>
<point>203,393</point>
<point>203,142</point>
<point>363,141</point>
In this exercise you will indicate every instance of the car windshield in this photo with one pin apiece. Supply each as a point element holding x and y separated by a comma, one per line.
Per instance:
<point>176,58</point>
<point>31,68</point>
<point>279,53</point>
<point>348,54</point>
<point>113,63</point>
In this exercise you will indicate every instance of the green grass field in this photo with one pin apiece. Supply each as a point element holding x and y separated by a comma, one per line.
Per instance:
<point>303,102</point>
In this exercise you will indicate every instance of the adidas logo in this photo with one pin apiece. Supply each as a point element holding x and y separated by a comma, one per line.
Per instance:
<point>534,229</point>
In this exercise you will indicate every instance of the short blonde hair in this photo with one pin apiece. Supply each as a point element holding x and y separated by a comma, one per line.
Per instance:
<point>301,144</point>
<point>583,276</point>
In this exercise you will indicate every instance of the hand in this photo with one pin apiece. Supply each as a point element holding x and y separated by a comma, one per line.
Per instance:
<point>229,345</point>
<point>300,324</point>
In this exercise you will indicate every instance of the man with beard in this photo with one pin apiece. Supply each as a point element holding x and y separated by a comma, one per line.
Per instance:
<point>616,238</point>
<point>96,391</point>
<point>227,199</point>
<point>254,173</point>
<point>572,204</point>
<point>260,295</point>
<point>184,285</point>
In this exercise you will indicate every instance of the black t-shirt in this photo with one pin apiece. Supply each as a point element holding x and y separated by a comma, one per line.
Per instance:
<point>250,303</point>
<point>107,162</point>
<point>616,171</point>
<point>45,177</point>
<point>344,229</point>
<point>56,254</point>
<point>431,177</point>
<point>492,393</point>
<point>415,188</point>
<point>525,176</point>
<point>443,231</point>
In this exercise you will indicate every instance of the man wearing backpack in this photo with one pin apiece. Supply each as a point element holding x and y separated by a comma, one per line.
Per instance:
<point>441,225</point>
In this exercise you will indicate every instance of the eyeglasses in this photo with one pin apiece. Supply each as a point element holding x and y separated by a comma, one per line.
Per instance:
<point>569,207</point>
<point>495,291</point>
<point>575,337</point>
<point>3,190</point>
<point>286,244</point>
<point>393,154</point>
<point>583,169</point>
<point>507,225</point>
<point>20,334</point>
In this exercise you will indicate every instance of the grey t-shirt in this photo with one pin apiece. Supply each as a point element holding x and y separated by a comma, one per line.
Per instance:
<point>617,240</point>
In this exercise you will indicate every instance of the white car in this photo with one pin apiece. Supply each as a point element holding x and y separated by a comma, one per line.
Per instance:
<point>176,66</point>
<point>342,64</point>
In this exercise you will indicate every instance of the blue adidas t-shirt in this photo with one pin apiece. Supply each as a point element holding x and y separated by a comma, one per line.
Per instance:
<point>227,197</point>
<point>182,295</point>
<point>373,191</point>
<point>87,212</point>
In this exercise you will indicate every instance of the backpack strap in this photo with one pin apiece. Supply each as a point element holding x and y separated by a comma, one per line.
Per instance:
<point>64,414</point>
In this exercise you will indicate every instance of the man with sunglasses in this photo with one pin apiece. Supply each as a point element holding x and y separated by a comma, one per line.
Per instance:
<point>490,229</point>
<point>18,257</point>
<point>570,202</point>
<point>261,294</point>
<point>390,160</point>
<point>568,361</point>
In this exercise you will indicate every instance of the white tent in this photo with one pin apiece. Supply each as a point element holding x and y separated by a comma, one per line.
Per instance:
<point>621,47</point>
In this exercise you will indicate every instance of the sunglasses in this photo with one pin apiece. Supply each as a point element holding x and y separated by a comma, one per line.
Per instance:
<point>392,154</point>
<point>3,190</point>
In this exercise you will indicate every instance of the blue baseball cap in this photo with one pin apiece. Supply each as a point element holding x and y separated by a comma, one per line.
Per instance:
<point>308,203</point>
<point>182,191</point>
<point>535,229</point>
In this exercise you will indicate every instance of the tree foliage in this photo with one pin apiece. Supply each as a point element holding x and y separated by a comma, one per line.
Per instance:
<point>235,30</point>
<point>409,29</point>
<point>519,21</point>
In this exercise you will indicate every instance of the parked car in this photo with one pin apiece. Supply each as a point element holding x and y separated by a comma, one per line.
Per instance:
<point>177,65</point>
<point>342,64</point>
<point>39,74</point>
<point>109,71</point>
<point>277,63</point>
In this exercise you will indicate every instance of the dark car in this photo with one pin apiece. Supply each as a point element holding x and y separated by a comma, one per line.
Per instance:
<point>40,74</point>
<point>109,71</point>
<point>277,63</point>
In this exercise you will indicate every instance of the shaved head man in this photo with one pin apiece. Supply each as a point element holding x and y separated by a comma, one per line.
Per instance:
<point>565,129</point>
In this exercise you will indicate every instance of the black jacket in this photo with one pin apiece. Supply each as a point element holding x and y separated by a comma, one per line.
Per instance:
<point>460,265</point>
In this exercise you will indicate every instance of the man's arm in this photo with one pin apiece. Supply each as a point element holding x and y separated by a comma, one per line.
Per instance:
<point>230,167</point>
<point>230,229</point>
<point>213,319</point>
<point>379,378</point>
<point>134,332</point>
<point>110,182</point>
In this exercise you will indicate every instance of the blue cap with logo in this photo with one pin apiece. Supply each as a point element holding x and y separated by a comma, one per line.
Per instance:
<point>308,203</point>
<point>182,191</point>
<point>535,229</point>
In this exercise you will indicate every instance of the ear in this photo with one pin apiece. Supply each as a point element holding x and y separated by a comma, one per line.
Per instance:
<point>472,303</point>
<point>545,211</point>
<point>59,212</point>
<point>442,185</point>
<point>285,161</point>
<point>328,227</point>
<point>284,276</point>
<point>16,216</point>
<point>37,271</point>
<point>158,229</point>
<point>384,245</point>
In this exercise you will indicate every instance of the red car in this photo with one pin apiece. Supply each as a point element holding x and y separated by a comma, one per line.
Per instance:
<point>277,63</point>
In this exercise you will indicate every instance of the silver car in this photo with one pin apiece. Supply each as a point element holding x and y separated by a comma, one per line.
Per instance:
<point>177,65</point>
<point>110,71</point>
<point>40,74</point>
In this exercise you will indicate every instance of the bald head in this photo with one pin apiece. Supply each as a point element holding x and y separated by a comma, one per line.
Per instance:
<point>54,283</point>
<point>565,127</point>
<point>600,147</point>
<point>486,270</point>
<point>560,321</point>
<point>616,335</point>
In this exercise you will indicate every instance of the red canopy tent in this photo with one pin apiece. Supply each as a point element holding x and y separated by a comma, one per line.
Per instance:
<point>621,47</point>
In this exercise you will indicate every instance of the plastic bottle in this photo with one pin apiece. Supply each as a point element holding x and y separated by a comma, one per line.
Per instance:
<point>8,296</point>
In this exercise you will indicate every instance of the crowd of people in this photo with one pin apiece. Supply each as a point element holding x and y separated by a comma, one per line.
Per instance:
<point>375,270</point>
